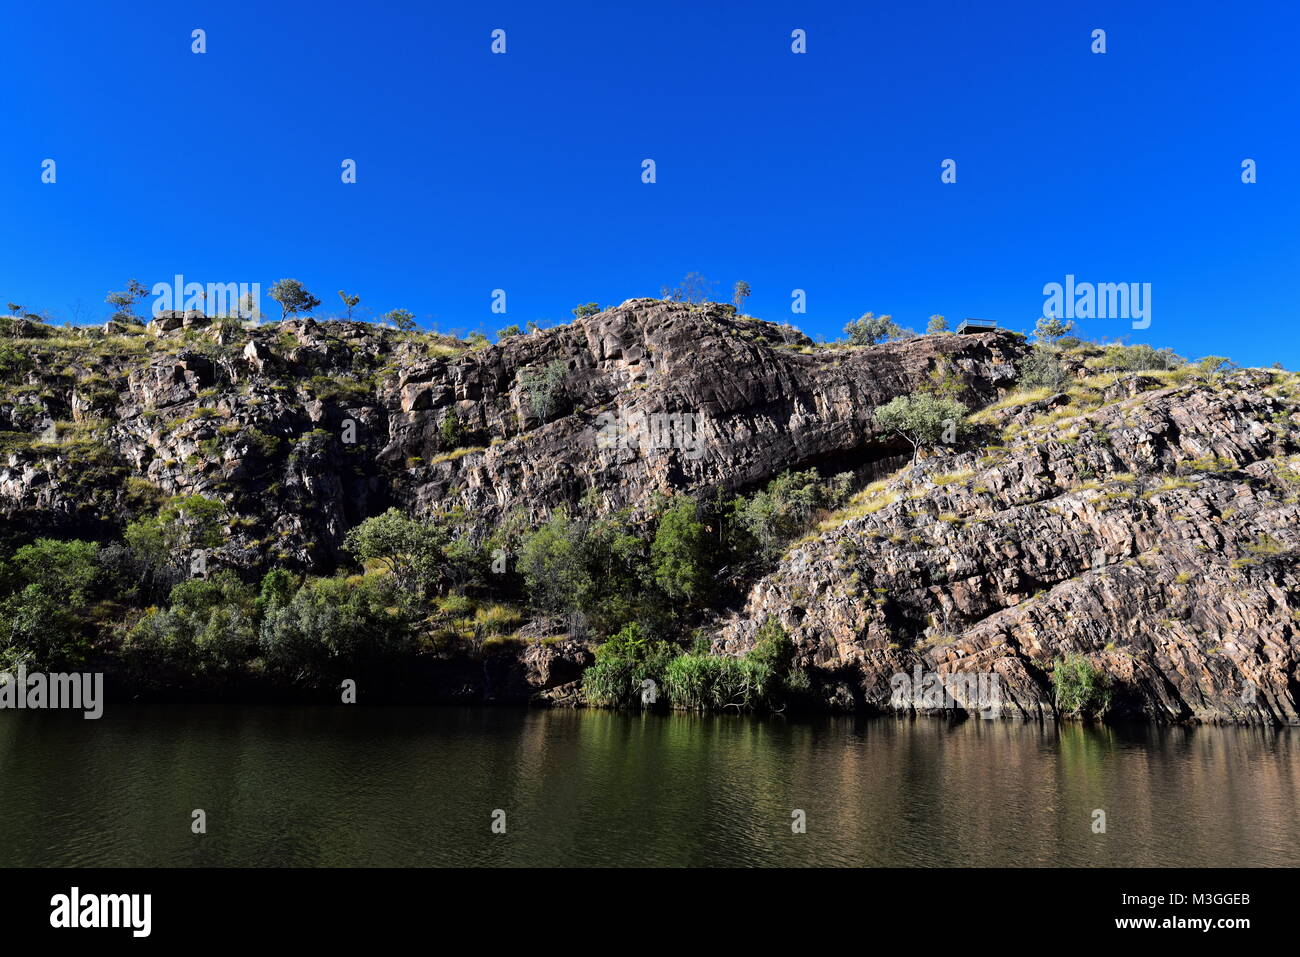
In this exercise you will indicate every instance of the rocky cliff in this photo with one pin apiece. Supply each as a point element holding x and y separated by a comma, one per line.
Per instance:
<point>1152,528</point>
<point>1146,521</point>
<point>303,428</point>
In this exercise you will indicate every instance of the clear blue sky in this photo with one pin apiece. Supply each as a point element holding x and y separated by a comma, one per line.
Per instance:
<point>523,171</point>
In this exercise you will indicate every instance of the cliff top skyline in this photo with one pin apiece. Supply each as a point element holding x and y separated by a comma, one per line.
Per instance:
<point>908,162</point>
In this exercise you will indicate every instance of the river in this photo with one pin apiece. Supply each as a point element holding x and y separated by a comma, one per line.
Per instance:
<point>344,786</point>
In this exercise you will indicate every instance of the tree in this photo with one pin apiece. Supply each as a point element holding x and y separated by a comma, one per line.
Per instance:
<point>740,294</point>
<point>871,329</point>
<point>125,301</point>
<point>67,569</point>
<point>349,301</point>
<point>923,420</point>
<point>402,319</point>
<point>411,550</point>
<point>167,540</point>
<point>679,553</point>
<point>15,309</point>
<point>936,324</point>
<point>508,331</point>
<point>552,563</point>
<point>293,297</point>
<point>944,380</point>
<point>692,289</point>
<point>1049,331</point>
<point>586,309</point>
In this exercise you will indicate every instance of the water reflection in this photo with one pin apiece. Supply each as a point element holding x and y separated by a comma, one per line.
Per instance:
<point>407,786</point>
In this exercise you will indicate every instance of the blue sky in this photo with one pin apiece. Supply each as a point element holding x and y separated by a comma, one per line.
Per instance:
<point>523,171</point>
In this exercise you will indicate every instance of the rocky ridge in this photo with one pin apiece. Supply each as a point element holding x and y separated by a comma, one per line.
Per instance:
<point>1147,521</point>
<point>1156,534</point>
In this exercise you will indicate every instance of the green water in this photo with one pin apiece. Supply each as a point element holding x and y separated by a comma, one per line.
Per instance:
<point>418,786</point>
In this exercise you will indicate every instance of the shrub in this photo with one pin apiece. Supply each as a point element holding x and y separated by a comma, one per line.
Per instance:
<point>411,550</point>
<point>209,628</point>
<point>335,628</point>
<point>624,662</point>
<point>543,389</point>
<point>679,553</point>
<point>451,430</point>
<point>1080,686</point>
<point>762,679</point>
<point>1041,369</point>
<point>785,509</point>
<point>400,319</point>
<point>923,420</point>
<point>871,329</point>
<point>39,630</point>
<point>1140,358</point>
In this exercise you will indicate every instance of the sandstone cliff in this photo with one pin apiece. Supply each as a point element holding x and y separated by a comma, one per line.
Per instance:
<point>1155,530</point>
<point>1147,521</point>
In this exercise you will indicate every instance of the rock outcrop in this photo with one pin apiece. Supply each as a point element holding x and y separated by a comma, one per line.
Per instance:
<point>1157,535</point>
<point>1149,522</point>
<point>303,428</point>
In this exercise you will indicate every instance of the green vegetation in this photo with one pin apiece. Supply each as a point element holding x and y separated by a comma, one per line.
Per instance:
<point>293,297</point>
<point>739,293</point>
<point>349,302</point>
<point>47,587</point>
<point>544,390</point>
<point>1080,686</point>
<point>924,420</point>
<point>631,667</point>
<point>870,330</point>
<point>124,301</point>
<point>402,320</point>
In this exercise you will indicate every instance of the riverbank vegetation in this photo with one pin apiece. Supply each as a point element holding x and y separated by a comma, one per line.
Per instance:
<point>637,587</point>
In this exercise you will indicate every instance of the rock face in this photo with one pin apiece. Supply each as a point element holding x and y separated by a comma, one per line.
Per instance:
<point>1152,525</point>
<point>757,404</point>
<point>302,429</point>
<point>1157,535</point>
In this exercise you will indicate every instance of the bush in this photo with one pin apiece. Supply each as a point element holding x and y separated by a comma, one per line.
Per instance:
<point>543,390</point>
<point>452,431</point>
<point>1140,358</point>
<point>784,510</point>
<point>209,628</point>
<point>924,420</point>
<point>761,679</point>
<point>411,550</point>
<point>46,586</point>
<point>624,662</point>
<point>712,683</point>
<point>871,329</point>
<point>39,630</point>
<point>1041,369</point>
<point>1081,687</point>
<point>679,553</point>
<point>335,628</point>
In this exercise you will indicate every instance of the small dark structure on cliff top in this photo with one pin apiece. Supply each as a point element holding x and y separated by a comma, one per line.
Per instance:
<point>969,326</point>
